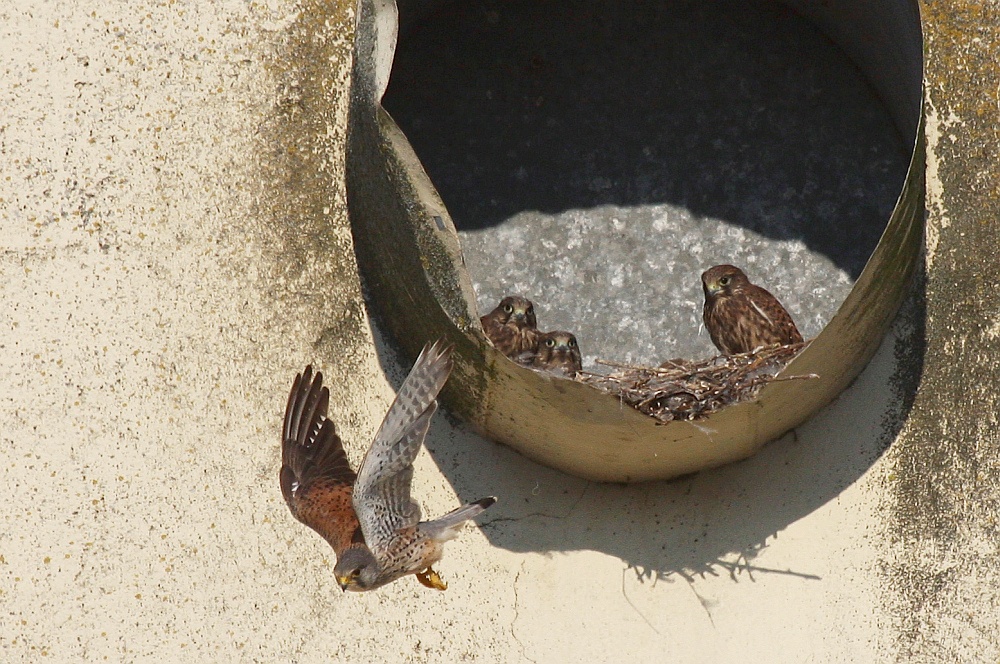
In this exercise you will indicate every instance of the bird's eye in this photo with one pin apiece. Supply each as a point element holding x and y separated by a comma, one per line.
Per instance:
<point>355,573</point>
<point>724,281</point>
<point>572,342</point>
<point>550,342</point>
<point>530,310</point>
<point>508,309</point>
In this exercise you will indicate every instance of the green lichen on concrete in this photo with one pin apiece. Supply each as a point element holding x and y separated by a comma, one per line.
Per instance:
<point>397,260</point>
<point>947,462</point>
<point>312,271</point>
<point>439,263</point>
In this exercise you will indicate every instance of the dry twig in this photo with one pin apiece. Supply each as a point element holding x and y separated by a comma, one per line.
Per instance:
<point>689,390</point>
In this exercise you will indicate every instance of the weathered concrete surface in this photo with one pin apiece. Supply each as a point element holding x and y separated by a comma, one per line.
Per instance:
<point>175,247</point>
<point>940,562</point>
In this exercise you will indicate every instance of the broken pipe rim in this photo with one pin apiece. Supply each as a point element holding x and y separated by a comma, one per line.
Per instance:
<point>409,255</point>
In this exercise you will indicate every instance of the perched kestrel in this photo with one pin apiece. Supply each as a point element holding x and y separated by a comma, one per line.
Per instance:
<point>511,327</point>
<point>369,518</point>
<point>559,353</point>
<point>741,317</point>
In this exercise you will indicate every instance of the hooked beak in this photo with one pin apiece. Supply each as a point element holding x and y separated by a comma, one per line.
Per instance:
<point>518,316</point>
<point>344,581</point>
<point>712,289</point>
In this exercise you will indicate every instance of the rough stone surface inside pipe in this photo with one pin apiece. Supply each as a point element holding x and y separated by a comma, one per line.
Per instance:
<point>601,181</point>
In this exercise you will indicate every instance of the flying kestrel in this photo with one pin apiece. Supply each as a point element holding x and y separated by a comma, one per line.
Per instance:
<point>369,518</point>
<point>558,353</point>
<point>511,327</point>
<point>742,317</point>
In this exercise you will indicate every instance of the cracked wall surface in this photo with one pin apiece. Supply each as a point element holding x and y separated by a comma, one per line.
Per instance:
<point>175,247</point>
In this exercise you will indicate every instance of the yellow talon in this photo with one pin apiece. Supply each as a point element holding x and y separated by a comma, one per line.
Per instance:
<point>431,579</point>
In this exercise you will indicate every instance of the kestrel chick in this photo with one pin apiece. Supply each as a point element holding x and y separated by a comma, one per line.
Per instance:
<point>741,317</point>
<point>559,353</point>
<point>511,327</point>
<point>368,518</point>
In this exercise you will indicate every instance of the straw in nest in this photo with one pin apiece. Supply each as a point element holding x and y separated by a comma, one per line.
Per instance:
<point>690,390</point>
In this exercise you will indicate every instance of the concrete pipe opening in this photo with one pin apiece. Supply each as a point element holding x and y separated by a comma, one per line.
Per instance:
<point>596,157</point>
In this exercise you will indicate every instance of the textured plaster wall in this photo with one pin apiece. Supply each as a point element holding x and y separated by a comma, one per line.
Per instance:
<point>941,570</point>
<point>175,247</point>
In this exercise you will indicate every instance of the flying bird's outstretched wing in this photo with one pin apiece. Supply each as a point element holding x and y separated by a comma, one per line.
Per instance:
<point>382,490</point>
<point>316,477</point>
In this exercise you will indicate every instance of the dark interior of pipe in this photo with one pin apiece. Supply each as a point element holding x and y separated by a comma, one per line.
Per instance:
<point>597,156</point>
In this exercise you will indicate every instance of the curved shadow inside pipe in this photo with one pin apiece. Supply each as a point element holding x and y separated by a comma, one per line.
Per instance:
<point>739,111</point>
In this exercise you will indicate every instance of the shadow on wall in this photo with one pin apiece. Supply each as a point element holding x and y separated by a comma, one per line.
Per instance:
<point>714,522</point>
<point>740,111</point>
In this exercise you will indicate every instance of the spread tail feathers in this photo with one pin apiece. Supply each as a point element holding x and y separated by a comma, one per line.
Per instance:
<point>448,526</point>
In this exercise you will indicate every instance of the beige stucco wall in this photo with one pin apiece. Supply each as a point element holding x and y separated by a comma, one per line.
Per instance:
<point>166,270</point>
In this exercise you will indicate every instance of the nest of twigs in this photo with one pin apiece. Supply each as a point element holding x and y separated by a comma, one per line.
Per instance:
<point>690,390</point>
